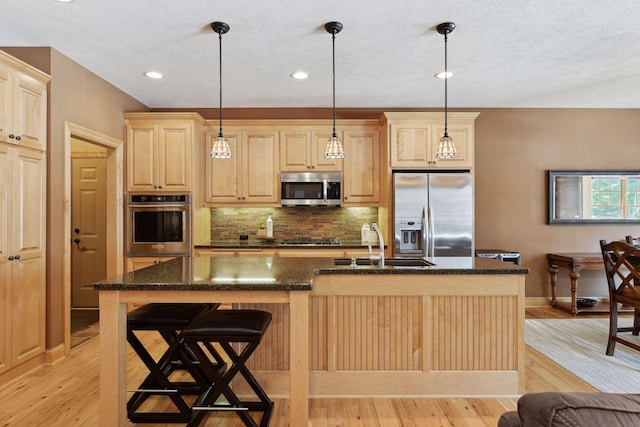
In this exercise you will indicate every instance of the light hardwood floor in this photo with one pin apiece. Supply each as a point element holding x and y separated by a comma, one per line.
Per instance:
<point>66,395</point>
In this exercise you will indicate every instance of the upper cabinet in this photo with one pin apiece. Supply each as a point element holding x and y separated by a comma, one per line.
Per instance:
<point>251,175</point>
<point>414,137</point>
<point>302,150</point>
<point>362,167</point>
<point>23,103</point>
<point>160,151</point>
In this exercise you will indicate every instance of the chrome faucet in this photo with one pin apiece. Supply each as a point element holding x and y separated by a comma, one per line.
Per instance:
<point>381,241</point>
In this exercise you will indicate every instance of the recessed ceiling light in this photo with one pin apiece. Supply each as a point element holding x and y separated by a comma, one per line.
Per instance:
<point>153,75</point>
<point>65,1</point>
<point>300,75</point>
<point>443,75</point>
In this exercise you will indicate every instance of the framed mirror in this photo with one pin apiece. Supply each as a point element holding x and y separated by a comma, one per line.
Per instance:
<point>593,196</point>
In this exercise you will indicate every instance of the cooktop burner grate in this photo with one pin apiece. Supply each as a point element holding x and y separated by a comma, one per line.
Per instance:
<point>307,241</point>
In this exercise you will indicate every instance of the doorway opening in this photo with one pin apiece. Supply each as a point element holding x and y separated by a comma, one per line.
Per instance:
<point>89,234</point>
<point>93,224</point>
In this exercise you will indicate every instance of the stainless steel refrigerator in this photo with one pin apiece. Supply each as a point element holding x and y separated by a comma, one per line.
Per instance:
<point>432,214</point>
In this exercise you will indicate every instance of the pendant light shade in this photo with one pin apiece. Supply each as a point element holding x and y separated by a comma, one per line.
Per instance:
<point>446,147</point>
<point>220,148</point>
<point>334,150</point>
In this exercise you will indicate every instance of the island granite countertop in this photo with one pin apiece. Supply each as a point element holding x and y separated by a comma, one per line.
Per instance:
<point>278,273</point>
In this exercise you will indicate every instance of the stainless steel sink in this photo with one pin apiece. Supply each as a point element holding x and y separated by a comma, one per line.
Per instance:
<point>391,262</point>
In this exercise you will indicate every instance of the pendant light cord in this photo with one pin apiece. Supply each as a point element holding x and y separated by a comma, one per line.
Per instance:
<point>333,44</point>
<point>446,77</point>
<point>220,62</point>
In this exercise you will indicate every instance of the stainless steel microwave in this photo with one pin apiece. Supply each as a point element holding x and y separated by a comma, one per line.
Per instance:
<point>311,189</point>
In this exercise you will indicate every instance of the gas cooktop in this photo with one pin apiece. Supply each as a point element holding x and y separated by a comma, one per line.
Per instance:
<point>307,241</point>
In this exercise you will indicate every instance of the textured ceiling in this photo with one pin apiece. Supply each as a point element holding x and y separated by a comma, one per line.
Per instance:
<point>505,53</point>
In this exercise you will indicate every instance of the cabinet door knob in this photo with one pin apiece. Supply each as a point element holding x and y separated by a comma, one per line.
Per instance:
<point>16,257</point>
<point>18,138</point>
<point>11,136</point>
<point>10,258</point>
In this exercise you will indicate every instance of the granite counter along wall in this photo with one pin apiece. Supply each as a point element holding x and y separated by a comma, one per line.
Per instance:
<point>291,222</point>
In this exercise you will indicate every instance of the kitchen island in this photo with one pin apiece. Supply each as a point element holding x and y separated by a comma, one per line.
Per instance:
<point>456,328</point>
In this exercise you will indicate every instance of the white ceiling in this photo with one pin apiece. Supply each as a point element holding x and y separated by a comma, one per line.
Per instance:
<point>505,53</point>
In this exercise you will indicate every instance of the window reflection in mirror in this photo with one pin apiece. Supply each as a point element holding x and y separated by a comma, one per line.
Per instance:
<point>597,197</point>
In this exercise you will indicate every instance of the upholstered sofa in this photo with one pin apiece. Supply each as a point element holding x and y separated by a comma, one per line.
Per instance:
<point>562,409</point>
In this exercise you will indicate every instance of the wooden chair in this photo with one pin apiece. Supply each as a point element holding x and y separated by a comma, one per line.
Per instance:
<point>633,241</point>
<point>622,268</point>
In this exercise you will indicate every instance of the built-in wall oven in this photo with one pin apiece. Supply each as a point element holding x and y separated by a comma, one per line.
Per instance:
<point>158,225</point>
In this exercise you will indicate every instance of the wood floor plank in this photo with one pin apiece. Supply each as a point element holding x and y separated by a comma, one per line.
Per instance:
<point>66,395</point>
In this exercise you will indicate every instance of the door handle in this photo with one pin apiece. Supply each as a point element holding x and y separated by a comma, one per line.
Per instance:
<point>76,241</point>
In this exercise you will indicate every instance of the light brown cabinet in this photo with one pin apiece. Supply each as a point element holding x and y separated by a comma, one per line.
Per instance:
<point>236,252</point>
<point>284,252</point>
<point>159,155</point>
<point>22,255</point>
<point>23,170</point>
<point>251,175</point>
<point>362,169</point>
<point>303,151</point>
<point>136,263</point>
<point>414,137</point>
<point>23,103</point>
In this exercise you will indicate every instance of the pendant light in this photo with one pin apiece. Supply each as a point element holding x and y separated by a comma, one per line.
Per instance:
<point>446,148</point>
<point>220,148</point>
<point>334,150</point>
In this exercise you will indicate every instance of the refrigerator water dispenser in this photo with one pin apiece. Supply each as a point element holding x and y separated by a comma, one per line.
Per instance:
<point>410,235</point>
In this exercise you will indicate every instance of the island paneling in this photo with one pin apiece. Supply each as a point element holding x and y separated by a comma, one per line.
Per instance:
<point>452,329</point>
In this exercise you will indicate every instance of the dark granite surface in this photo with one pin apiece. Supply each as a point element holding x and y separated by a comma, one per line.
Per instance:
<point>443,265</point>
<point>277,273</point>
<point>271,244</point>
<point>221,273</point>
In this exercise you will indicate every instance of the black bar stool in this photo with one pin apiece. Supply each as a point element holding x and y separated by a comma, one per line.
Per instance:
<point>225,327</point>
<point>169,320</point>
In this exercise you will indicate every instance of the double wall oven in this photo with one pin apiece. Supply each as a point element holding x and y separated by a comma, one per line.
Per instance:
<point>158,225</point>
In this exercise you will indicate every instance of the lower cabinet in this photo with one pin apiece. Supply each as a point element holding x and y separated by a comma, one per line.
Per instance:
<point>22,259</point>
<point>284,252</point>
<point>136,263</point>
<point>235,252</point>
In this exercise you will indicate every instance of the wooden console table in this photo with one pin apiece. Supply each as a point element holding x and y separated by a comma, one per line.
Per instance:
<point>575,262</point>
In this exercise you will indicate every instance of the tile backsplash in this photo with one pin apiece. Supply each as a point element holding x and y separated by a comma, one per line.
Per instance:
<point>291,222</point>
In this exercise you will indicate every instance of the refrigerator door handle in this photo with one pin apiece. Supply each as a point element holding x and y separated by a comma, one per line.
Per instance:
<point>432,230</point>
<point>423,234</point>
